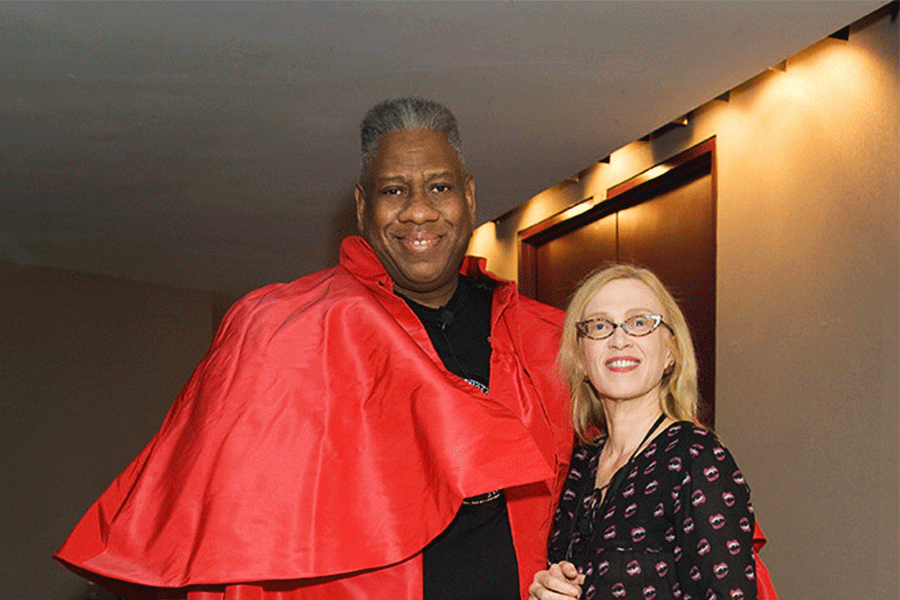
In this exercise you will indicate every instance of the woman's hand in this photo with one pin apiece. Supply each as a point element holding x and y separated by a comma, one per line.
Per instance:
<point>560,582</point>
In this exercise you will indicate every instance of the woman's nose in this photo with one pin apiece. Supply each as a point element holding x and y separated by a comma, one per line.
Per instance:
<point>619,339</point>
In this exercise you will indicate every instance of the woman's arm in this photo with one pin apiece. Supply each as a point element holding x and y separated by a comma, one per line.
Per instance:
<point>716,529</point>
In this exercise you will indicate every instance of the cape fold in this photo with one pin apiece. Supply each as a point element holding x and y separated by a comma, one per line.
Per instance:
<point>320,437</point>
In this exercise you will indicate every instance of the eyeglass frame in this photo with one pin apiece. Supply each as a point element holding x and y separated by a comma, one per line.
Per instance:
<point>657,321</point>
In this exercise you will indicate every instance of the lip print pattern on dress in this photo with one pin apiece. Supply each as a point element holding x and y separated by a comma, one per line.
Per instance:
<point>689,481</point>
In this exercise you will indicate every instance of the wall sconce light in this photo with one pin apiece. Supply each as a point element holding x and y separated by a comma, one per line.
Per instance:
<point>841,34</point>
<point>675,124</point>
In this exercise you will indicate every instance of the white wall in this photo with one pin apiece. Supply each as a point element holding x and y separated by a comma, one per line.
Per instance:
<point>808,302</point>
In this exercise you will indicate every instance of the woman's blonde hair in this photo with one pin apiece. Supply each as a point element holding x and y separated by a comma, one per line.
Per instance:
<point>678,393</point>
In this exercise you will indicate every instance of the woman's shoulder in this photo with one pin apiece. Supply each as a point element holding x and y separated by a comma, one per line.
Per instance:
<point>684,430</point>
<point>691,439</point>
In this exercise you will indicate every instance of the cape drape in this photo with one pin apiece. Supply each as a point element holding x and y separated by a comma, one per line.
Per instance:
<point>320,445</point>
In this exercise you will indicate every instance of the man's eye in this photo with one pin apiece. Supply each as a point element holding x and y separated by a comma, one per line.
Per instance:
<point>391,191</point>
<point>440,188</point>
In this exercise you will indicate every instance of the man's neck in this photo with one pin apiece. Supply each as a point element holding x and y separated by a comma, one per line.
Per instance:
<point>433,298</point>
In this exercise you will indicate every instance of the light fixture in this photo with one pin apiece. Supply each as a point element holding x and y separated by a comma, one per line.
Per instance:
<point>841,34</point>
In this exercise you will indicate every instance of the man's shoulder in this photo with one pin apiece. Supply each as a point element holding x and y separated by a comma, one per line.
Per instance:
<point>539,313</point>
<point>272,304</point>
<point>279,292</point>
<point>541,308</point>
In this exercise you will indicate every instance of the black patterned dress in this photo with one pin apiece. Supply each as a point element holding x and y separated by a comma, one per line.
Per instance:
<point>676,522</point>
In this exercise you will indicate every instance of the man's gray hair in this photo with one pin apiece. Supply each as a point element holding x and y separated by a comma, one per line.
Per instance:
<point>406,113</point>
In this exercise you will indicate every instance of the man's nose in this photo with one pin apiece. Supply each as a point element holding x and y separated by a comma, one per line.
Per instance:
<point>419,208</point>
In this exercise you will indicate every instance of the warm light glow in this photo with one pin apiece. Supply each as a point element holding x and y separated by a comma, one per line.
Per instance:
<point>833,73</point>
<point>830,79</point>
<point>484,238</point>
<point>579,208</point>
<point>656,171</point>
<point>826,94</point>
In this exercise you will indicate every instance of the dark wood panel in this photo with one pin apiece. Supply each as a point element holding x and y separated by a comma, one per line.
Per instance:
<point>673,235</point>
<point>564,261</point>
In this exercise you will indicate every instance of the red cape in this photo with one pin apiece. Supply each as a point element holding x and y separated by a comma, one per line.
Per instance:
<point>320,445</point>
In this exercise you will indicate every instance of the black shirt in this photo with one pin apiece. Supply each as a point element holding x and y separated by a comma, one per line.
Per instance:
<point>474,558</point>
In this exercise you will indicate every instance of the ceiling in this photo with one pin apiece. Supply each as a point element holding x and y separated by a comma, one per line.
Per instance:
<point>214,146</point>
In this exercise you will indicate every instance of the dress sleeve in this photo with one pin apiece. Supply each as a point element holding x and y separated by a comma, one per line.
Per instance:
<point>716,529</point>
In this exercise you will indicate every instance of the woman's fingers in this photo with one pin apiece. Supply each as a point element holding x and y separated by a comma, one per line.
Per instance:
<point>559,582</point>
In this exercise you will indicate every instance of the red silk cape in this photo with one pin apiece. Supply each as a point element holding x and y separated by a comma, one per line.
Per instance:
<point>320,445</point>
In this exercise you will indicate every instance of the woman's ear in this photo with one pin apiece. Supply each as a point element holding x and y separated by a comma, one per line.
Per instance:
<point>670,361</point>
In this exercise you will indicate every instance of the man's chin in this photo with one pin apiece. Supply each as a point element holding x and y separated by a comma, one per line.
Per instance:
<point>418,288</point>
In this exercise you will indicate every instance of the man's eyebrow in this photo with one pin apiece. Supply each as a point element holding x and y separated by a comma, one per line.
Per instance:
<point>428,177</point>
<point>446,174</point>
<point>389,178</point>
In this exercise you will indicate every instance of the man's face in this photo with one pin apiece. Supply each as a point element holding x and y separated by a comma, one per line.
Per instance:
<point>415,205</point>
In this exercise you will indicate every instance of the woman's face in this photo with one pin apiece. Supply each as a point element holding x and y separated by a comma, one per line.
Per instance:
<point>622,367</point>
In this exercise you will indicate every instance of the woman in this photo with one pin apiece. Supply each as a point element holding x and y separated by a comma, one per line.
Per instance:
<point>654,506</point>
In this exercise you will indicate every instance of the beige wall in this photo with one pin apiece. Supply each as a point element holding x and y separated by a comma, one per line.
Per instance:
<point>88,367</point>
<point>808,307</point>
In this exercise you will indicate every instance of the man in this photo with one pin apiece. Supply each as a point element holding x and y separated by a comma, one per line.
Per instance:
<point>388,428</point>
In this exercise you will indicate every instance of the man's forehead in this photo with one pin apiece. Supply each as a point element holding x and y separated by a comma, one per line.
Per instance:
<point>403,139</point>
<point>423,150</point>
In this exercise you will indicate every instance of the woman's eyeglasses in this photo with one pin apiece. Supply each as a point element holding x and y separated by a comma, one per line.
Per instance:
<point>636,326</point>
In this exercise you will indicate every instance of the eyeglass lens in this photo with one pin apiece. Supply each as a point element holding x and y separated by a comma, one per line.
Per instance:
<point>637,325</point>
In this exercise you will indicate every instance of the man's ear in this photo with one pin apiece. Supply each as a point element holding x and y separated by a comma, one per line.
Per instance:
<point>469,191</point>
<point>359,194</point>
